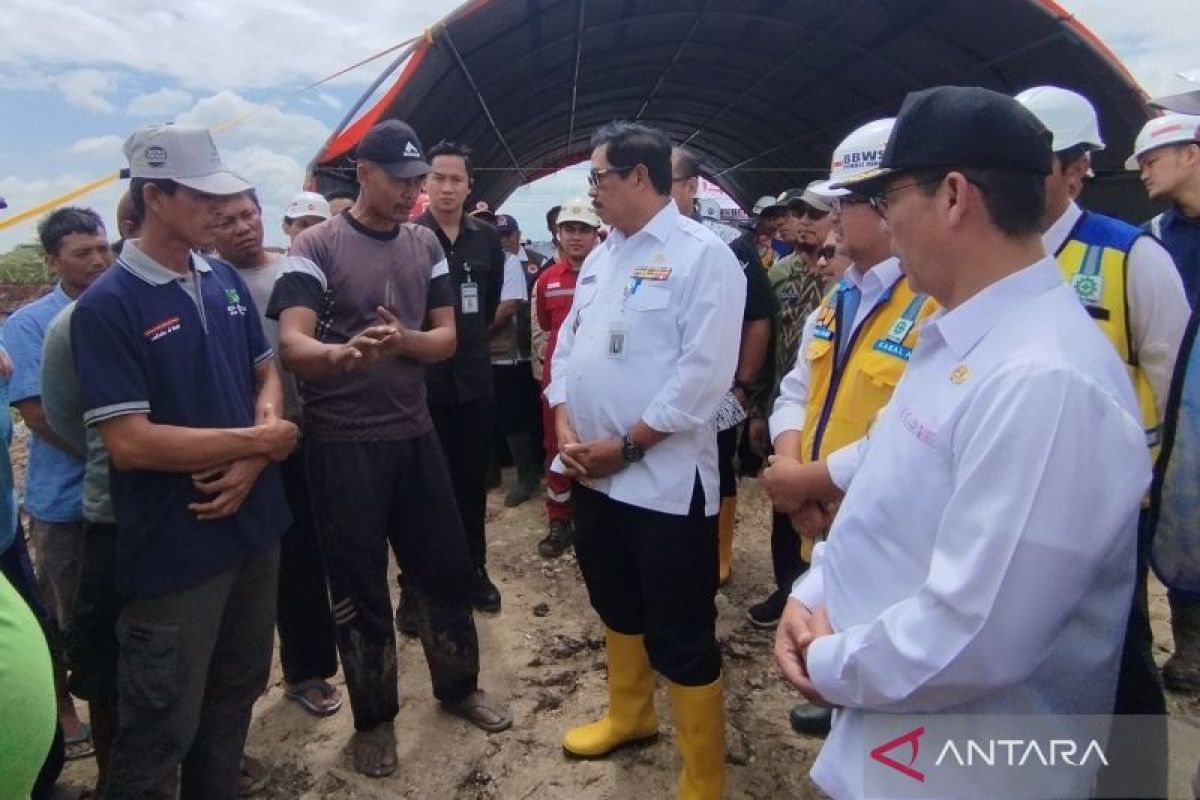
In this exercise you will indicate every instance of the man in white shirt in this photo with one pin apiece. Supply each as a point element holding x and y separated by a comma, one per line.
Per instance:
<point>642,362</point>
<point>982,560</point>
<point>1128,283</point>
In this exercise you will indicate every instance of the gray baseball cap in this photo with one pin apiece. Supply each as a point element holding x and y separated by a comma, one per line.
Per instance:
<point>185,154</point>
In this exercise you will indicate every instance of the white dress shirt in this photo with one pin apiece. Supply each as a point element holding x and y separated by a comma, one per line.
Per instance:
<point>983,558</point>
<point>1158,307</point>
<point>788,413</point>
<point>677,334</point>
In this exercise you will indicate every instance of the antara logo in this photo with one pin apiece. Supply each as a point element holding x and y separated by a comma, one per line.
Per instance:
<point>913,740</point>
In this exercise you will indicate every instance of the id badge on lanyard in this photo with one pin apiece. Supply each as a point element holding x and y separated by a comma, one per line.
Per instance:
<point>470,294</point>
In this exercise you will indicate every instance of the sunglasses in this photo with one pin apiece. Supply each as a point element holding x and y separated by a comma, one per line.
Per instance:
<point>802,210</point>
<point>827,252</point>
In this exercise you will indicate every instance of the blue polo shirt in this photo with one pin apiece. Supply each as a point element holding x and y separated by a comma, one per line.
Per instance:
<point>183,350</point>
<point>54,479</point>
<point>8,496</point>
<point>1180,234</point>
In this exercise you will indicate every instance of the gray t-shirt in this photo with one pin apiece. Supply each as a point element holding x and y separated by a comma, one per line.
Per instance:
<point>343,272</point>
<point>63,407</point>
<point>260,282</point>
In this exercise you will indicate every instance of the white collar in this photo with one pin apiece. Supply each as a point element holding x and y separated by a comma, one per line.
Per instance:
<point>1056,235</point>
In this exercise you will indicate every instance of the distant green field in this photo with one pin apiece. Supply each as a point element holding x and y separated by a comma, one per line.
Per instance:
<point>24,264</point>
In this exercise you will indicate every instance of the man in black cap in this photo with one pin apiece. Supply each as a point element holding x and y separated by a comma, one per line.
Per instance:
<point>364,303</point>
<point>952,582</point>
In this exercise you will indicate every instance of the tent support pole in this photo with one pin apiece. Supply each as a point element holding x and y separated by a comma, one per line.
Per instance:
<point>487,112</point>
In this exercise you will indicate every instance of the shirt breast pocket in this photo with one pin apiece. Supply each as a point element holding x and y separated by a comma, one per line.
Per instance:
<point>818,349</point>
<point>649,298</point>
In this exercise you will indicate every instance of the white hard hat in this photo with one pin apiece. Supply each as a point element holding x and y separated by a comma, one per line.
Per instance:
<point>578,211</point>
<point>1164,130</point>
<point>307,204</point>
<point>763,203</point>
<point>1066,114</point>
<point>861,151</point>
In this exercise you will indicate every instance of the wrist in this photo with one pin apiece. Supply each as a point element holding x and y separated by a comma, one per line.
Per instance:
<point>631,451</point>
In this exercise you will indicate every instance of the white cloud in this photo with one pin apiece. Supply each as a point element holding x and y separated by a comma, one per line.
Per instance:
<point>107,147</point>
<point>215,45</point>
<point>296,135</point>
<point>86,89</point>
<point>21,193</point>
<point>162,103</point>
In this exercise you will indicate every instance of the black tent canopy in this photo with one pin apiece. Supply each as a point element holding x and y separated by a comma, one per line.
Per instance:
<point>762,89</point>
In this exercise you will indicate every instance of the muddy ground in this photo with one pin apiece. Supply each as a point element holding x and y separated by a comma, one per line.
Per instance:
<point>544,653</point>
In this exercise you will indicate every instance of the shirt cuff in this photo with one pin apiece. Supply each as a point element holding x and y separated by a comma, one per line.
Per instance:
<point>822,668</point>
<point>786,418</point>
<point>842,464</point>
<point>666,419</point>
<point>556,393</point>
<point>809,588</point>
<point>97,415</point>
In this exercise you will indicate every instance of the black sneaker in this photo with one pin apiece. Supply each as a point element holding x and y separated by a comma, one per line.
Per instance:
<point>406,615</point>
<point>560,536</point>
<point>767,613</point>
<point>487,596</point>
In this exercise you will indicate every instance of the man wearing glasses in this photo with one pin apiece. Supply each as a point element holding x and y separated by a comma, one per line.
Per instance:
<point>643,361</point>
<point>853,351</point>
<point>982,558</point>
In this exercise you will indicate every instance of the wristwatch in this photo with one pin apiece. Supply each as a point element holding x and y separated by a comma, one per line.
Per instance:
<point>631,452</point>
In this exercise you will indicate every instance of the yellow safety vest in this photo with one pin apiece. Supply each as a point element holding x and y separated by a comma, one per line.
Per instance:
<point>843,401</point>
<point>1094,262</point>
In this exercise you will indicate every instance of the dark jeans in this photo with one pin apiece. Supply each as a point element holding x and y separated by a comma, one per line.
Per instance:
<point>18,569</point>
<point>307,637</point>
<point>368,495</point>
<point>192,662</point>
<point>786,560</point>
<point>655,574</point>
<point>517,408</point>
<point>1139,760</point>
<point>92,649</point>
<point>465,433</point>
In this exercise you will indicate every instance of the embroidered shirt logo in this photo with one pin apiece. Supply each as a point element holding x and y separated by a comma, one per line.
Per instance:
<point>234,303</point>
<point>160,329</point>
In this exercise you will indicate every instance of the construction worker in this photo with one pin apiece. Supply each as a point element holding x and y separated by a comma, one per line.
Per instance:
<point>854,347</point>
<point>1128,283</point>
<point>553,293</point>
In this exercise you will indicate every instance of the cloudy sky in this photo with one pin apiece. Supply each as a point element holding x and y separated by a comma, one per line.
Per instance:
<point>75,78</point>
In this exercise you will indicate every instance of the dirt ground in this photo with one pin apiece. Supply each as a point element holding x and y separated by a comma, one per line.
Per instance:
<point>544,653</point>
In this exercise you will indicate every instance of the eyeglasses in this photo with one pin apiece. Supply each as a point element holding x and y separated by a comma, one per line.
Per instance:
<point>840,204</point>
<point>596,175</point>
<point>882,200</point>
<point>827,252</point>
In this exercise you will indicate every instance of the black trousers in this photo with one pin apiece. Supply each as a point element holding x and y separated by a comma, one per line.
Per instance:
<point>517,409</point>
<point>92,639</point>
<point>367,496</point>
<point>1138,759</point>
<point>785,552</point>
<point>654,574</point>
<point>727,442</point>
<point>307,637</point>
<point>465,433</point>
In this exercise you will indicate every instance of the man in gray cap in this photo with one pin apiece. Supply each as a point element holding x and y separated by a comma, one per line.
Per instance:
<point>178,378</point>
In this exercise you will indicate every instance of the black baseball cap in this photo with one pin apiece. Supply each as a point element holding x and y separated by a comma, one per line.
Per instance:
<point>960,126</point>
<point>394,146</point>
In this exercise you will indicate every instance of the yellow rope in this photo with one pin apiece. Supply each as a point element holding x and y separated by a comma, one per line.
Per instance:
<point>79,191</point>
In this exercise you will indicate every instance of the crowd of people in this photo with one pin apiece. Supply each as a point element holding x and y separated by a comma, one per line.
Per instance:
<point>954,381</point>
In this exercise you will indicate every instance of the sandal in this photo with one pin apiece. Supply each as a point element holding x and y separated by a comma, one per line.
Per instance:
<point>80,745</point>
<point>482,711</point>
<point>326,701</point>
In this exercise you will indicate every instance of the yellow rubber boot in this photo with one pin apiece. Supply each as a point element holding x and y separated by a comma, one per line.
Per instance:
<point>699,713</point>
<point>630,716</point>
<point>725,525</point>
